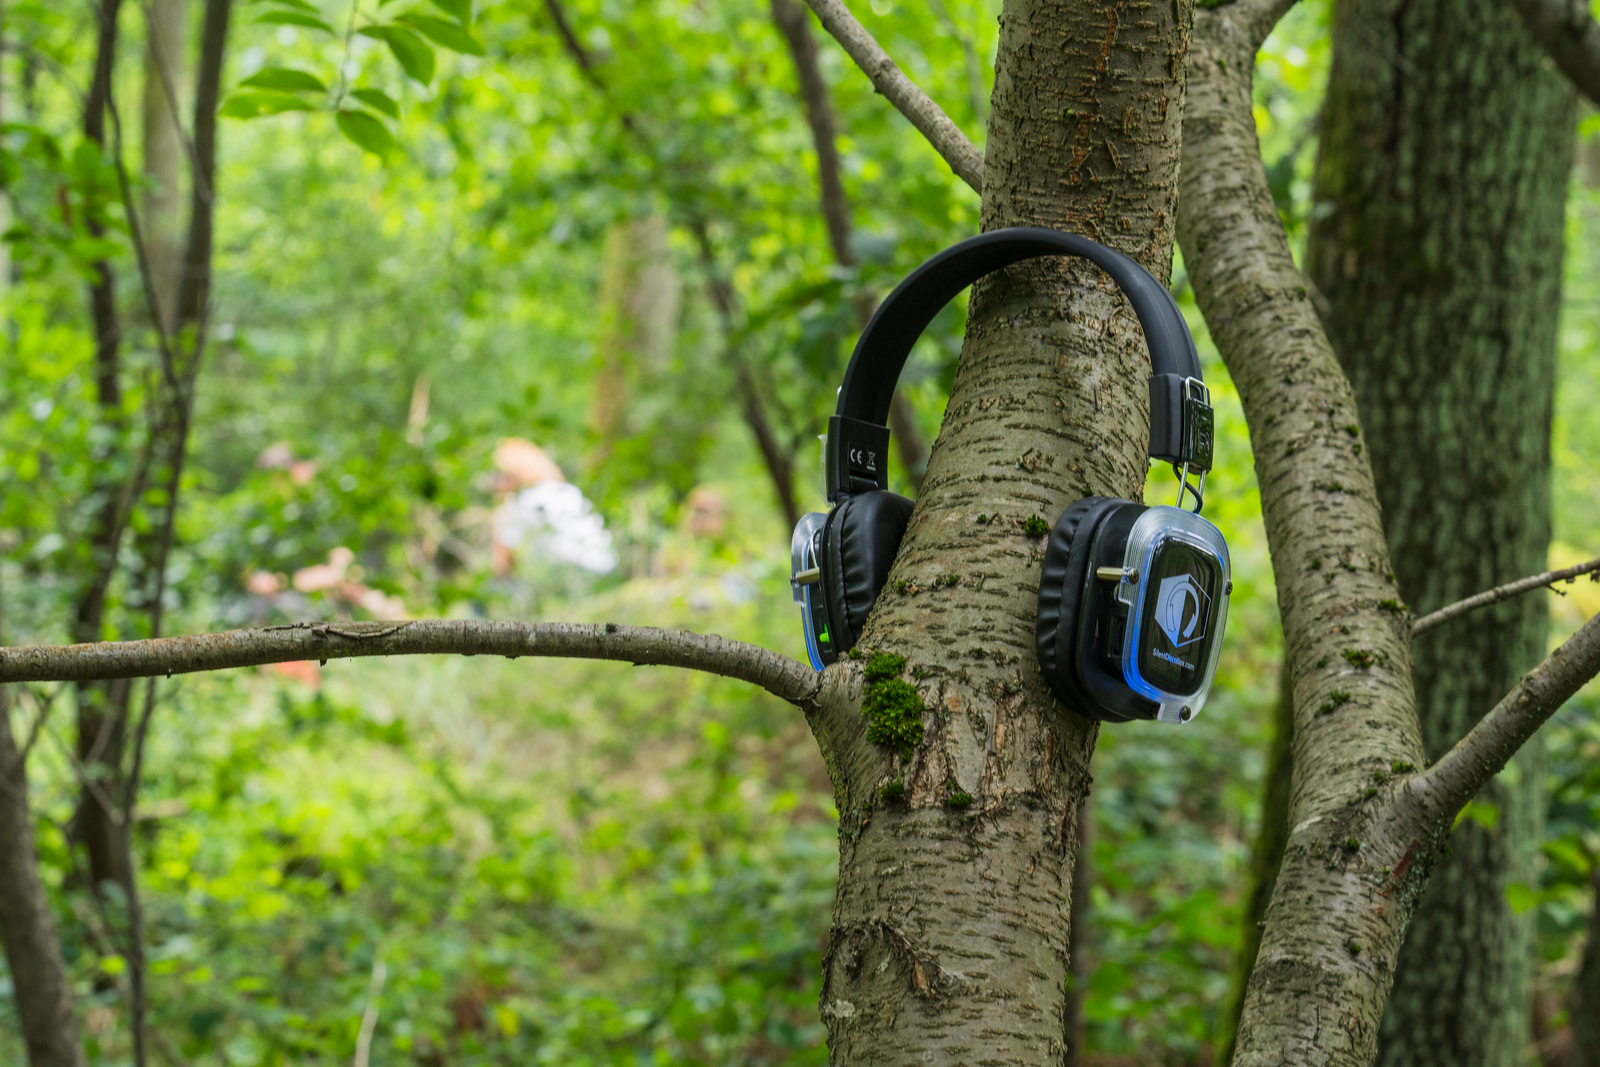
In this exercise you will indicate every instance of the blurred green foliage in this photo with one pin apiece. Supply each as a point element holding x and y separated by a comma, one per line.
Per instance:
<point>549,861</point>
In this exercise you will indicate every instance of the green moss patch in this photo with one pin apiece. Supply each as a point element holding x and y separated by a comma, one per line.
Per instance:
<point>892,706</point>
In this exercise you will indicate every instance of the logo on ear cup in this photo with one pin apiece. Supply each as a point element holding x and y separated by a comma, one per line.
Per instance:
<point>1181,609</point>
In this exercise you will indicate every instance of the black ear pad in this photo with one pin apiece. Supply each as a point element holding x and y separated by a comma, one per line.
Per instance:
<point>859,542</point>
<point>1064,645</point>
<point>1061,580</point>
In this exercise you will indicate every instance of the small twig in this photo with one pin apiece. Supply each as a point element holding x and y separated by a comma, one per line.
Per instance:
<point>1504,592</point>
<point>369,1017</point>
<point>45,704</point>
<point>887,77</point>
<point>779,675</point>
<point>1457,775</point>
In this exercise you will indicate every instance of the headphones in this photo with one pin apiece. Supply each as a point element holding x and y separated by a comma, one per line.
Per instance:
<point>1133,600</point>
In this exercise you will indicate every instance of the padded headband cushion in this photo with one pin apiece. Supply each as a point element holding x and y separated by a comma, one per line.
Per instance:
<point>859,543</point>
<point>1061,582</point>
<point>885,344</point>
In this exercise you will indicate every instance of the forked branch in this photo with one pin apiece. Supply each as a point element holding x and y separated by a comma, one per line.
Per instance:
<point>1457,775</point>
<point>779,675</point>
<point>887,77</point>
<point>1569,34</point>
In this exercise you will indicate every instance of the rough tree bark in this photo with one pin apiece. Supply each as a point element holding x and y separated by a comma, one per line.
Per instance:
<point>1437,244</point>
<point>1334,922</point>
<point>950,930</point>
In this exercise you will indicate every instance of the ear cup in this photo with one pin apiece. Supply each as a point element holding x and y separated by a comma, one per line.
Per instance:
<point>859,544</point>
<point>1061,582</point>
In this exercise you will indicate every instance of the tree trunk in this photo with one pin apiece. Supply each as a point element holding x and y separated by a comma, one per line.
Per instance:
<point>1077,1028</point>
<point>1266,856</point>
<point>1586,989</point>
<point>1440,184</point>
<point>165,45</point>
<point>38,975</point>
<point>102,708</point>
<point>638,309</point>
<point>950,931</point>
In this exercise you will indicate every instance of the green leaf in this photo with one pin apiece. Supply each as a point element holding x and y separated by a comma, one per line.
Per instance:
<point>378,101</point>
<point>253,105</point>
<point>285,80</point>
<point>411,51</point>
<point>368,132</point>
<point>460,10</point>
<point>301,4</point>
<point>1521,898</point>
<point>294,18</point>
<point>445,33</point>
<point>1481,812</point>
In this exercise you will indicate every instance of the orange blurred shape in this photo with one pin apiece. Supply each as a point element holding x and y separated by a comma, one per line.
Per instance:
<point>707,513</point>
<point>305,671</point>
<point>525,462</point>
<point>263,583</point>
<point>275,457</point>
<point>302,472</point>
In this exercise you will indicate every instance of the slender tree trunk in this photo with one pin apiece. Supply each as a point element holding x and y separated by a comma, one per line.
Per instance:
<point>102,707</point>
<point>1445,154</point>
<point>165,46</point>
<point>951,923</point>
<point>1266,856</point>
<point>1586,989</point>
<point>638,310</point>
<point>38,975</point>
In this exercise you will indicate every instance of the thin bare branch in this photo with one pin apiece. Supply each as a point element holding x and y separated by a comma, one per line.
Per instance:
<point>1504,592</point>
<point>887,77</point>
<point>1569,34</point>
<point>641,645</point>
<point>1457,775</point>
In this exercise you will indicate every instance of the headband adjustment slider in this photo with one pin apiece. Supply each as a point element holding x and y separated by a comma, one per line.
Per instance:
<point>856,456</point>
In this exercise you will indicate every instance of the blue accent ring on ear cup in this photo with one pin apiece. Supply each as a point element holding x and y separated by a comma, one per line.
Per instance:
<point>1063,579</point>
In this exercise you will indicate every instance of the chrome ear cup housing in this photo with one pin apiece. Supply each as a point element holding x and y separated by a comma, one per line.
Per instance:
<point>1174,588</point>
<point>805,580</point>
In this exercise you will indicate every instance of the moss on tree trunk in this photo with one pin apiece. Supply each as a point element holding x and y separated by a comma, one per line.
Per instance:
<point>950,932</point>
<point>1436,243</point>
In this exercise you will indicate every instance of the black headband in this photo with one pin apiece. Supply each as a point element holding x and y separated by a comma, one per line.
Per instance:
<point>858,437</point>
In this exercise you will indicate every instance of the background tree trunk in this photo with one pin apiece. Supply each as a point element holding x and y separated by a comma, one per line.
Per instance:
<point>1266,856</point>
<point>166,42</point>
<point>1437,241</point>
<point>33,954</point>
<point>1586,990</point>
<point>950,932</point>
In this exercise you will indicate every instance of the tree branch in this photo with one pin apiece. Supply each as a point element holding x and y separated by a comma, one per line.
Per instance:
<point>1457,775</point>
<point>887,77</point>
<point>1504,592</point>
<point>1260,16</point>
<point>779,675</point>
<point>1569,34</point>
